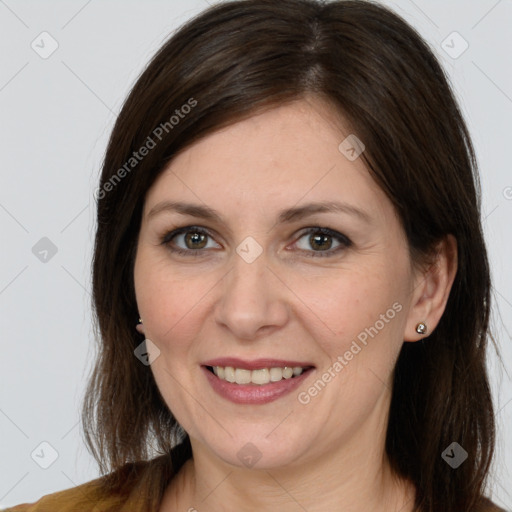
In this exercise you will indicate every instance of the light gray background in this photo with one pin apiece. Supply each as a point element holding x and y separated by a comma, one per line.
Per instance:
<point>56,116</point>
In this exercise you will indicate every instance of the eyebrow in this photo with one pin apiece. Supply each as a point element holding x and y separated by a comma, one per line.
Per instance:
<point>285,216</point>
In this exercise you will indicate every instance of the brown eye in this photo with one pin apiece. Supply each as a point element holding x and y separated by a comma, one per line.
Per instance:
<point>195,240</point>
<point>320,241</point>
<point>189,240</point>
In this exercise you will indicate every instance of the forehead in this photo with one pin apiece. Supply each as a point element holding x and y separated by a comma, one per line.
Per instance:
<point>283,156</point>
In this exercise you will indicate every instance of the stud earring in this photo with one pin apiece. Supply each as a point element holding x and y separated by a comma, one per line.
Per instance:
<point>421,328</point>
<point>139,327</point>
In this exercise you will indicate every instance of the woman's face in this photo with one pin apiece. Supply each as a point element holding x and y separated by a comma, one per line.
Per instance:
<point>255,283</point>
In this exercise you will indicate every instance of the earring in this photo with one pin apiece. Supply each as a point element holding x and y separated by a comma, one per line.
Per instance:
<point>421,328</point>
<point>139,327</point>
<point>140,320</point>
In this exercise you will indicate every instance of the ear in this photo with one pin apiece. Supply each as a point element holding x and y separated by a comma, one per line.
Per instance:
<point>431,290</point>
<point>140,327</point>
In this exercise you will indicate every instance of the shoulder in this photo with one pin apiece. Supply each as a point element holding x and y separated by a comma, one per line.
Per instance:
<point>135,487</point>
<point>81,498</point>
<point>92,496</point>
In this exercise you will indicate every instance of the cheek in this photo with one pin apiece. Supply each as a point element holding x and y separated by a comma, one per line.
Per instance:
<point>366,311</point>
<point>169,301</point>
<point>359,313</point>
<point>168,309</point>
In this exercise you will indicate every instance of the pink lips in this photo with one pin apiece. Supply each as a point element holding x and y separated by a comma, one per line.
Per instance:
<point>254,393</point>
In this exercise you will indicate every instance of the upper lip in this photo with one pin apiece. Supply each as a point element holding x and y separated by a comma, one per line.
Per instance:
<point>255,364</point>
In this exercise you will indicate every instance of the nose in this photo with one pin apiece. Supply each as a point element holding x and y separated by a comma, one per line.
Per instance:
<point>253,299</point>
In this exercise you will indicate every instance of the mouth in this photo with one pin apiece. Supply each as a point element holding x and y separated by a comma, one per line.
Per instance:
<point>258,376</point>
<point>260,382</point>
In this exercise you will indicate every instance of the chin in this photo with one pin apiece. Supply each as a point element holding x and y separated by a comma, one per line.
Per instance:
<point>258,452</point>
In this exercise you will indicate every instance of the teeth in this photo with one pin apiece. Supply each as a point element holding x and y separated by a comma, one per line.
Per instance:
<point>242,376</point>
<point>229,374</point>
<point>260,376</point>
<point>257,376</point>
<point>276,374</point>
<point>287,372</point>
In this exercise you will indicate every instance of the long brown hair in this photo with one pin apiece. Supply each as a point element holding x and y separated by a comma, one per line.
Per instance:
<point>239,58</point>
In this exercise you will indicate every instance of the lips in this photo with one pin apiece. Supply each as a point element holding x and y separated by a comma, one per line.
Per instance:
<point>254,394</point>
<point>256,364</point>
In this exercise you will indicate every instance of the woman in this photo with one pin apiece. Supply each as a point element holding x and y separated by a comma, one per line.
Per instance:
<point>289,211</point>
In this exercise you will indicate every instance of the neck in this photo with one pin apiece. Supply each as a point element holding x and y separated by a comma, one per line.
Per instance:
<point>353,477</point>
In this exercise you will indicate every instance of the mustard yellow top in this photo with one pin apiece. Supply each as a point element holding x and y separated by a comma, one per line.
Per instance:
<point>146,481</point>
<point>83,498</point>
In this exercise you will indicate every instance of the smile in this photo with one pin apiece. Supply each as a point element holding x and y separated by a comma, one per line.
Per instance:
<point>263,390</point>
<point>259,376</point>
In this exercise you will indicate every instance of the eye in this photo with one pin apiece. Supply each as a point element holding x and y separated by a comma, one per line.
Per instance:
<point>321,241</point>
<point>193,237</point>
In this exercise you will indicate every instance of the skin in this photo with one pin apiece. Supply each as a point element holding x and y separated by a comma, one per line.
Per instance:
<point>327,454</point>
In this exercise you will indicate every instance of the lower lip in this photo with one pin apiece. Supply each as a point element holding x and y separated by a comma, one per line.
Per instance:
<point>254,393</point>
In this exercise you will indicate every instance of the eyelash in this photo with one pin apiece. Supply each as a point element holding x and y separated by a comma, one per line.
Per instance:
<point>344,241</point>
